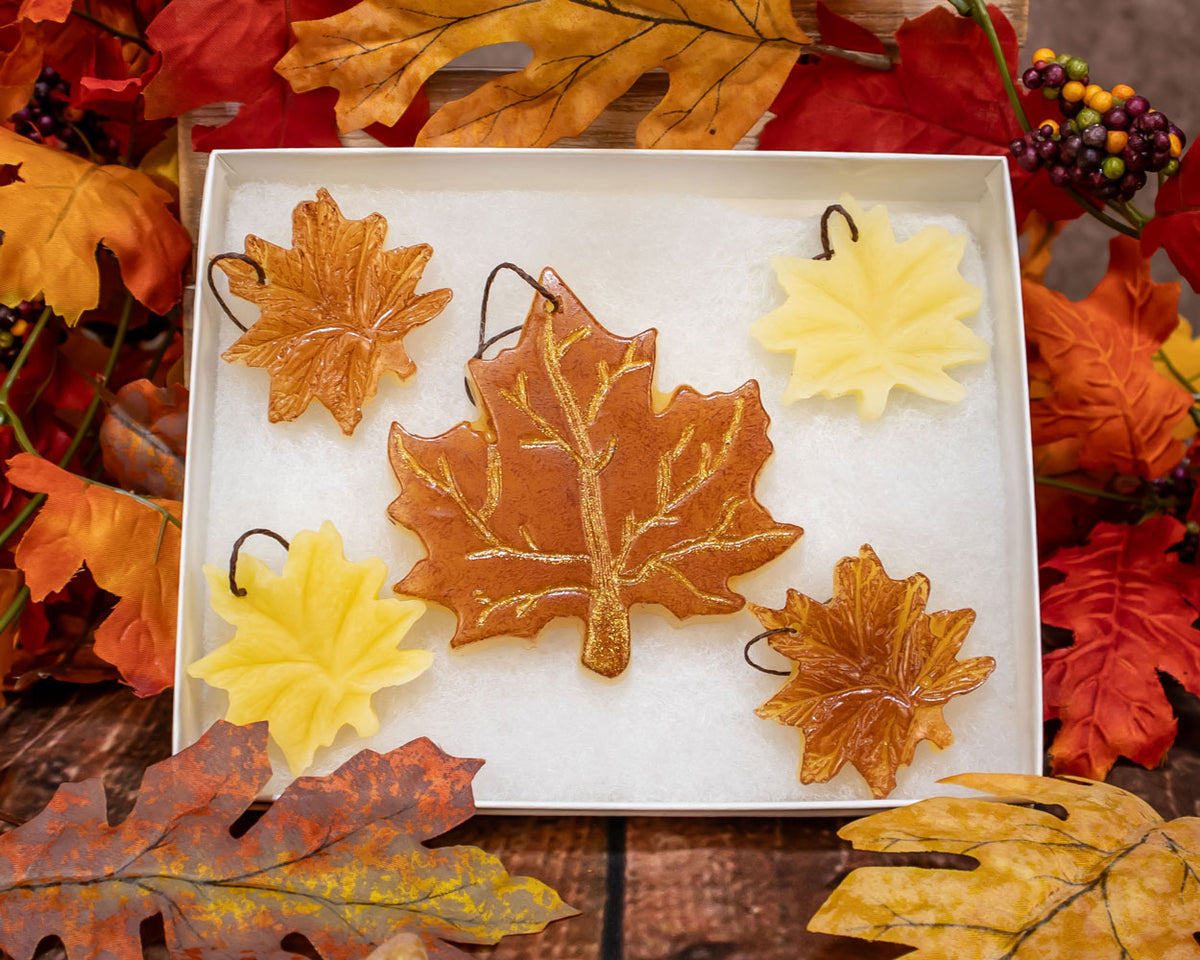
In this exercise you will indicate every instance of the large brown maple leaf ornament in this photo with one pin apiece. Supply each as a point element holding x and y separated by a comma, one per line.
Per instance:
<point>872,671</point>
<point>577,498</point>
<point>335,310</point>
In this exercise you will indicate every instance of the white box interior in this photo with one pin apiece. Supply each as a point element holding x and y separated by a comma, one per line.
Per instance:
<point>680,242</point>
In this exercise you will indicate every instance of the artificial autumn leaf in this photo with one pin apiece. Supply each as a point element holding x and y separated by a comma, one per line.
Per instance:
<point>725,59</point>
<point>878,314</point>
<point>335,310</point>
<point>144,438</point>
<point>578,497</point>
<point>212,54</point>
<point>62,207</point>
<point>1131,606</point>
<point>1040,235</point>
<point>340,860</point>
<point>1111,880</point>
<point>872,671</point>
<point>1176,223</point>
<point>131,549</point>
<point>11,582</point>
<point>1099,354</point>
<point>20,65</point>
<point>944,96</point>
<point>311,645</point>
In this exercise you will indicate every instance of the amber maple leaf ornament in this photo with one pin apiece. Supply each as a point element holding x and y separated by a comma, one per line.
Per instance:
<point>578,496</point>
<point>335,310</point>
<point>871,671</point>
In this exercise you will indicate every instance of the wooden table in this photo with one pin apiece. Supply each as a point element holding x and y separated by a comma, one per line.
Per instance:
<point>648,888</point>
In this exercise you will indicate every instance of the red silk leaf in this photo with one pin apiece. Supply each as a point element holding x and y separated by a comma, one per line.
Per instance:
<point>144,438</point>
<point>944,96</point>
<point>1176,223</point>
<point>1105,388</point>
<point>1131,606</point>
<point>339,859</point>
<point>212,54</point>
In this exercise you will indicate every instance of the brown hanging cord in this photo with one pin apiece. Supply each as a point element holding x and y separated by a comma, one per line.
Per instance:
<point>262,278</point>
<point>762,636</point>
<point>826,250</point>
<point>484,340</point>
<point>237,545</point>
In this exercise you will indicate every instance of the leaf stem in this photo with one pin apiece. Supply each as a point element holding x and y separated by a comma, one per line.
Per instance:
<point>1086,491</point>
<point>872,61</point>
<point>109,367</point>
<point>26,349</point>
<point>108,28</point>
<point>979,13</point>
<point>14,608</point>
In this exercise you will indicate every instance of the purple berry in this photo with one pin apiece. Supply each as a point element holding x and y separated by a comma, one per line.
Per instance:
<point>1089,159</point>
<point>1055,75</point>
<point>1180,134</point>
<point>1133,182</point>
<point>1136,106</point>
<point>1032,78</point>
<point>1017,146</point>
<point>22,116</point>
<point>1116,119</point>
<point>1047,150</point>
<point>1159,160</point>
<point>46,124</point>
<point>1107,190</point>
<point>1162,141</point>
<point>1095,135</point>
<point>1070,108</point>
<point>1029,161</point>
<point>1070,147</point>
<point>1135,160</point>
<point>1154,122</point>
<point>1060,176</point>
<point>49,74</point>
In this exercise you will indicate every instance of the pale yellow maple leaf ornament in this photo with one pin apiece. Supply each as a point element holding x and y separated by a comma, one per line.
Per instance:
<point>311,645</point>
<point>877,314</point>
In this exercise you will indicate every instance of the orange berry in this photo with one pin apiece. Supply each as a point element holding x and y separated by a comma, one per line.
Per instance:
<point>1043,53</point>
<point>1100,101</point>
<point>1116,140</point>
<point>1053,125</point>
<point>1072,91</point>
<point>1090,89</point>
<point>1123,90</point>
<point>20,328</point>
<point>1176,146</point>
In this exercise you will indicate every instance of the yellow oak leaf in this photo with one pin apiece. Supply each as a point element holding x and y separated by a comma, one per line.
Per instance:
<point>726,60</point>
<point>61,207</point>
<point>1109,880</point>
<point>1179,359</point>
<point>311,645</point>
<point>878,314</point>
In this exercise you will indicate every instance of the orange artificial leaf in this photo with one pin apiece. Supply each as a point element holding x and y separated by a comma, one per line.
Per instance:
<point>1040,235</point>
<point>1111,879</point>
<point>61,208</point>
<point>20,65</point>
<point>10,585</point>
<point>577,497</point>
<point>144,438</point>
<point>872,671</point>
<point>335,310</point>
<point>726,60</point>
<point>340,860</point>
<point>1099,353</point>
<point>131,549</point>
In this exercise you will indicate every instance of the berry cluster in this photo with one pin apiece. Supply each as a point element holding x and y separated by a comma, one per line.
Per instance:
<point>14,324</point>
<point>49,118</point>
<point>1108,140</point>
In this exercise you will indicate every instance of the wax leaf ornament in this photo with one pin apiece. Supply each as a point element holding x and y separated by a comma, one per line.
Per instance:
<point>871,671</point>
<point>578,496</point>
<point>1099,353</point>
<point>335,310</point>
<point>1111,879</point>
<point>131,549</point>
<point>1131,605</point>
<point>877,314</point>
<point>311,645</point>
<point>340,860</point>
<point>725,59</point>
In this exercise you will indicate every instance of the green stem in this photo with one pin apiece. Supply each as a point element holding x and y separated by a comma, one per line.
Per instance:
<point>1100,215</point>
<point>94,407</point>
<point>9,418</point>
<point>14,608</point>
<point>979,13</point>
<point>26,349</point>
<point>1130,213</point>
<point>108,28</point>
<point>1086,491</point>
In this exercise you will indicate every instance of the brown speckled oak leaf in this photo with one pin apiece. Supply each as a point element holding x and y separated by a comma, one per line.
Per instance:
<point>339,859</point>
<point>726,60</point>
<point>335,310</point>
<point>579,496</point>
<point>871,671</point>
<point>1109,880</point>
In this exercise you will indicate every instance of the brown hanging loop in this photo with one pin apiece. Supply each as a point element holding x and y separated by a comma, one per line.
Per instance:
<point>484,340</point>
<point>237,545</point>
<point>826,250</point>
<point>262,278</point>
<point>762,636</point>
